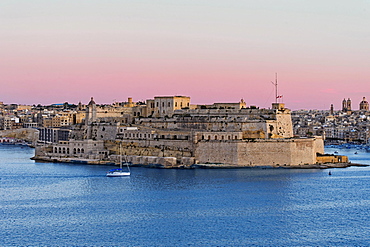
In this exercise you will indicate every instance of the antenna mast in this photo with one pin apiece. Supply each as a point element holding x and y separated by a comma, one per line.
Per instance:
<point>276,88</point>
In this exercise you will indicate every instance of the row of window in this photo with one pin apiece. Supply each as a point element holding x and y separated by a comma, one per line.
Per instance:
<point>138,135</point>
<point>149,136</point>
<point>64,150</point>
<point>221,138</point>
<point>169,104</point>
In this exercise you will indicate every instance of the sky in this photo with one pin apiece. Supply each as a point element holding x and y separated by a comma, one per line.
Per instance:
<point>55,51</point>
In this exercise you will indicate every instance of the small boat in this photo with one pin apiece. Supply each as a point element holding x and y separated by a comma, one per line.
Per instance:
<point>336,152</point>
<point>119,172</point>
<point>356,153</point>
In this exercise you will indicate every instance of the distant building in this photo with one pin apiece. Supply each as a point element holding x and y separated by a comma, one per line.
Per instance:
<point>364,105</point>
<point>53,135</point>
<point>332,109</point>
<point>166,105</point>
<point>347,105</point>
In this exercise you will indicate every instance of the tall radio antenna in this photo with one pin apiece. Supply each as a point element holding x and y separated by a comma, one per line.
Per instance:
<point>276,88</point>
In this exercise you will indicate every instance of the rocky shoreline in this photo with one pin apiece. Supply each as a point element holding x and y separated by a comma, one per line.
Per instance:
<point>195,166</point>
<point>308,166</point>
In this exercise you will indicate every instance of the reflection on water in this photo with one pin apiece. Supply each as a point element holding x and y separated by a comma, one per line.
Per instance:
<point>64,204</point>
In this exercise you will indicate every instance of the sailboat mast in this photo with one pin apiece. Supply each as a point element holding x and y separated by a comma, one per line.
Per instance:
<point>120,155</point>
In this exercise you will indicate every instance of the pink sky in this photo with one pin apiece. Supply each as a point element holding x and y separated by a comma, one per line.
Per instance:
<point>212,51</point>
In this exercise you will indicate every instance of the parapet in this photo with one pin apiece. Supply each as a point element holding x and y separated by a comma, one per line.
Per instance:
<point>278,106</point>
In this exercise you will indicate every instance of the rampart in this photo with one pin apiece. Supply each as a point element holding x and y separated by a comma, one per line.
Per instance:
<point>272,152</point>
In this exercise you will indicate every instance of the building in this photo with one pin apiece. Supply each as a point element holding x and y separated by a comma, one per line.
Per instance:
<point>347,105</point>
<point>165,106</point>
<point>176,134</point>
<point>364,105</point>
<point>53,135</point>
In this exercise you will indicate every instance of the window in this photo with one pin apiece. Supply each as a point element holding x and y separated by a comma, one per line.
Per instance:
<point>169,104</point>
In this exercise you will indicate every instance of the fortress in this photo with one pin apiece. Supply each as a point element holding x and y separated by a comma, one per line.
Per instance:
<point>169,132</point>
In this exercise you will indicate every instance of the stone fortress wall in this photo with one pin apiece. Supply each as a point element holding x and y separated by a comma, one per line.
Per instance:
<point>182,135</point>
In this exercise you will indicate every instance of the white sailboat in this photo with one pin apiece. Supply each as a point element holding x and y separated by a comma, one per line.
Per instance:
<point>119,172</point>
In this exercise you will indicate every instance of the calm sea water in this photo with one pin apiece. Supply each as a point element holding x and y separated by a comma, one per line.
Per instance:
<point>52,204</point>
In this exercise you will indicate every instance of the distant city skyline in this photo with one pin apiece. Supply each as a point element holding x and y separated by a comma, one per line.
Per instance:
<point>213,51</point>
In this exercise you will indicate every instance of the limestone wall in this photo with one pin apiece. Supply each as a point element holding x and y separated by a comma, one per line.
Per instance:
<point>278,152</point>
<point>332,159</point>
<point>319,145</point>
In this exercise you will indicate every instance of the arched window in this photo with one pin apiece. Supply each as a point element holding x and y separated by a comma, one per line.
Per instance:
<point>215,137</point>
<point>82,150</point>
<point>55,150</point>
<point>74,151</point>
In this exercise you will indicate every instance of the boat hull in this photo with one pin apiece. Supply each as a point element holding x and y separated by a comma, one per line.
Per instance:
<point>118,174</point>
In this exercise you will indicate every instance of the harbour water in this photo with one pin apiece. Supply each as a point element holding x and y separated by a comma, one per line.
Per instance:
<point>51,204</point>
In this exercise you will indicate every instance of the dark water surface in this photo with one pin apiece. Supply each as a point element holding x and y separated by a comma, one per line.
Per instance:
<point>54,204</point>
